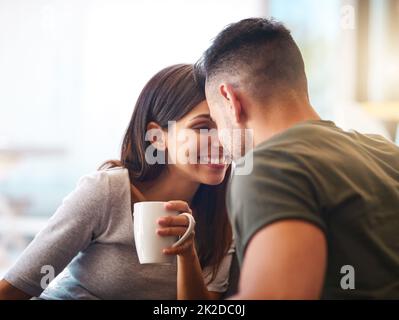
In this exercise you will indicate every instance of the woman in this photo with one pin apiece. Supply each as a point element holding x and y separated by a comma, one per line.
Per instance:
<point>89,242</point>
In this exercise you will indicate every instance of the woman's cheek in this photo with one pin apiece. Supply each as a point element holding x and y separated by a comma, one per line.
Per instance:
<point>187,148</point>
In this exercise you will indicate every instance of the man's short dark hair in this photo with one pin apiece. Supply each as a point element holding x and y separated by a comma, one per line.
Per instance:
<point>263,49</point>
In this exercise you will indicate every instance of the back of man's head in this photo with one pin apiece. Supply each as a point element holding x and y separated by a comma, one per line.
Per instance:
<point>256,53</point>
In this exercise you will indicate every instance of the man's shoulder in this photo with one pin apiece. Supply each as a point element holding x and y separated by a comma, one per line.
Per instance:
<point>290,151</point>
<point>307,133</point>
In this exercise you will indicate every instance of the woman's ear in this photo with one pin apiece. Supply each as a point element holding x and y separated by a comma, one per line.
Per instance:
<point>156,136</point>
<point>231,98</point>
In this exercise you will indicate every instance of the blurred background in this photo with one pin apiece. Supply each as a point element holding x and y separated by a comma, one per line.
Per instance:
<point>70,71</point>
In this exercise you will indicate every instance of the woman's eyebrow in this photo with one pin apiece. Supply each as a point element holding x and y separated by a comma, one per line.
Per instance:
<point>204,115</point>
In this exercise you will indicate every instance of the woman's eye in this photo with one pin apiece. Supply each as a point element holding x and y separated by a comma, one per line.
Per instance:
<point>202,126</point>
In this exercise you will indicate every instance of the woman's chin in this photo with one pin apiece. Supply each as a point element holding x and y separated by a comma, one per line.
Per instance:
<point>213,179</point>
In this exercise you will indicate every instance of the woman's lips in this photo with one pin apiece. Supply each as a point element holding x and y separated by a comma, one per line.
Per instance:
<point>216,166</point>
<point>213,163</point>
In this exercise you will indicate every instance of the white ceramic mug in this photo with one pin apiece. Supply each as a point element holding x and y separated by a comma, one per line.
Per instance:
<point>149,244</point>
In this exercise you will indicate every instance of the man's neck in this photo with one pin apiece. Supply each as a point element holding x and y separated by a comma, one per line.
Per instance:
<point>282,118</point>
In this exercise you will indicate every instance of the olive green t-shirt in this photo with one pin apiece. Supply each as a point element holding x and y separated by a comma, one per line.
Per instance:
<point>345,183</point>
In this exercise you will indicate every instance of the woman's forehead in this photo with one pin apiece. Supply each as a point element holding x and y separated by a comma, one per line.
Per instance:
<point>200,109</point>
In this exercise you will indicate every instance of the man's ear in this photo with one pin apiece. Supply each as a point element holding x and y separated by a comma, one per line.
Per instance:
<point>231,98</point>
<point>156,136</point>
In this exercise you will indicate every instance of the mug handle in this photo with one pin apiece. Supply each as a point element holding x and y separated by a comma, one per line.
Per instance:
<point>190,229</point>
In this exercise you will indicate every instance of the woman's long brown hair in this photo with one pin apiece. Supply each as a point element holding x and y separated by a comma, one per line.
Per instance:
<point>169,96</point>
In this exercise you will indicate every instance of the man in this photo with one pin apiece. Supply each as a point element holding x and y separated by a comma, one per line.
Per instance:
<point>318,217</point>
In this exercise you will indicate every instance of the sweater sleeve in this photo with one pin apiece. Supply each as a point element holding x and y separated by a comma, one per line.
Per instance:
<point>220,281</point>
<point>78,221</point>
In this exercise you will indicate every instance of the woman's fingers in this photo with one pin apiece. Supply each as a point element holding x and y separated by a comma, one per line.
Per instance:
<point>176,226</point>
<point>169,221</point>
<point>186,246</point>
<point>178,205</point>
<point>173,231</point>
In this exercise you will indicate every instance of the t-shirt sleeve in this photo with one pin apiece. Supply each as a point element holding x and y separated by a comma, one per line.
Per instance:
<point>219,283</point>
<point>76,222</point>
<point>278,188</point>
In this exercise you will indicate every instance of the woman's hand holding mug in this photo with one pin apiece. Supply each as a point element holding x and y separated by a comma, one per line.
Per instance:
<point>178,226</point>
<point>151,242</point>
